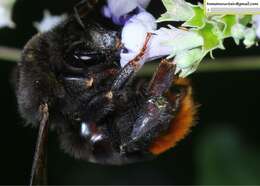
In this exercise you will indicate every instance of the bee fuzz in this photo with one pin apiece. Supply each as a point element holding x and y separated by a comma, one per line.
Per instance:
<point>89,82</point>
<point>109,95</point>
<point>29,56</point>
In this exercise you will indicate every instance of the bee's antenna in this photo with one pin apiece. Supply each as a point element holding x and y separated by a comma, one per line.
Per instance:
<point>39,172</point>
<point>82,9</point>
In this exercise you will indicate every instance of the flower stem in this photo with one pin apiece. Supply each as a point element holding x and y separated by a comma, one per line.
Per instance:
<point>10,54</point>
<point>209,65</point>
<point>218,65</point>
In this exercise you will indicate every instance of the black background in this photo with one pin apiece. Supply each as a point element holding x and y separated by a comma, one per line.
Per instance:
<point>223,147</point>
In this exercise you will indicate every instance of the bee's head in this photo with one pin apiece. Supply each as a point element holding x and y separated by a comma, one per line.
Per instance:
<point>86,50</point>
<point>67,66</point>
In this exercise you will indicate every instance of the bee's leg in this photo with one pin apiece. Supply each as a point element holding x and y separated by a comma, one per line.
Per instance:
<point>39,167</point>
<point>131,68</point>
<point>100,106</point>
<point>162,78</point>
<point>156,113</point>
<point>82,8</point>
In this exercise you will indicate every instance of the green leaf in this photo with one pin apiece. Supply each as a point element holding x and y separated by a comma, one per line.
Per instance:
<point>205,33</point>
<point>225,24</point>
<point>245,20</point>
<point>177,10</point>
<point>211,37</point>
<point>199,18</point>
<point>229,21</point>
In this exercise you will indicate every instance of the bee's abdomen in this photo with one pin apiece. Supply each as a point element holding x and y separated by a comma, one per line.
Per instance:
<point>181,123</point>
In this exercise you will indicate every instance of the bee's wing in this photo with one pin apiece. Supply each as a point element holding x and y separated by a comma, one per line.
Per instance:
<point>39,167</point>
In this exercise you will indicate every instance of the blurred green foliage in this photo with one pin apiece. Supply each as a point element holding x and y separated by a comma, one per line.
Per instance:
<point>223,158</point>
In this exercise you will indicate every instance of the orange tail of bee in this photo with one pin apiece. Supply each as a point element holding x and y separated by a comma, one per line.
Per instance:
<point>181,124</point>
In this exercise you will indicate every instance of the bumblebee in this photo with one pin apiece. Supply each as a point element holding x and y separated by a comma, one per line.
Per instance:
<point>70,80</point>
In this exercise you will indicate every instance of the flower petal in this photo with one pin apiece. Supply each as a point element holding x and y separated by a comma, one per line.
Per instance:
<point>6,12</point>
<point>187,61</point>
<point>170,41</point>
<point>49,21</point>
<point>256,20</point>
<point>123,10</point>
<point>144,3</point>
<point>134,34</point>
<point>250,37</point>
<point>238,32</point>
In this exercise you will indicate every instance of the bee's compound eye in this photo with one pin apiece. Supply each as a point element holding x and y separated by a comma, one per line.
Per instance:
<point>84,56</point>
<point>81,57</point>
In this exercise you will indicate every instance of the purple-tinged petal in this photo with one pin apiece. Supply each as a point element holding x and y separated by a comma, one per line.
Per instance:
<point>121,11</point>
<point>170,41</point>
<point>121,7</point>
<point>144,3</point>
<point>158,48</point>
<point>106,12</point>
<point>125,18</point>
<point>163,43</point>
<point>256,20</point>
<point>134,34</point>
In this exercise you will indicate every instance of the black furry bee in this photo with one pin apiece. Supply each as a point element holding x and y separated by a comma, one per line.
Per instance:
<point>70,80</point>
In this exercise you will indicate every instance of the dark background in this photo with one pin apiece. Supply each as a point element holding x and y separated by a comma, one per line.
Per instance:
<point>223,147</point>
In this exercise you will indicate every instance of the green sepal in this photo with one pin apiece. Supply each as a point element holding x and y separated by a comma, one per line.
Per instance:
<point>177,10</point>
<point>199,18</point>
<point>229,21</point>
<point>245,20</point>
<point>211,37</point>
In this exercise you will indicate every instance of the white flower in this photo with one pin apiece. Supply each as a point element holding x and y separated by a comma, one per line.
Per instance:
<point>164,42</point>
<point>187,61</point>
<point>256,20</point>
<point>171,41</point>
<point>184,45</point>
<point>249,34</point>
<point>238,32</point>
<point>6,13</point>
<point>49,21</point>
<point>250,37</point>
<point>121,10</point>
